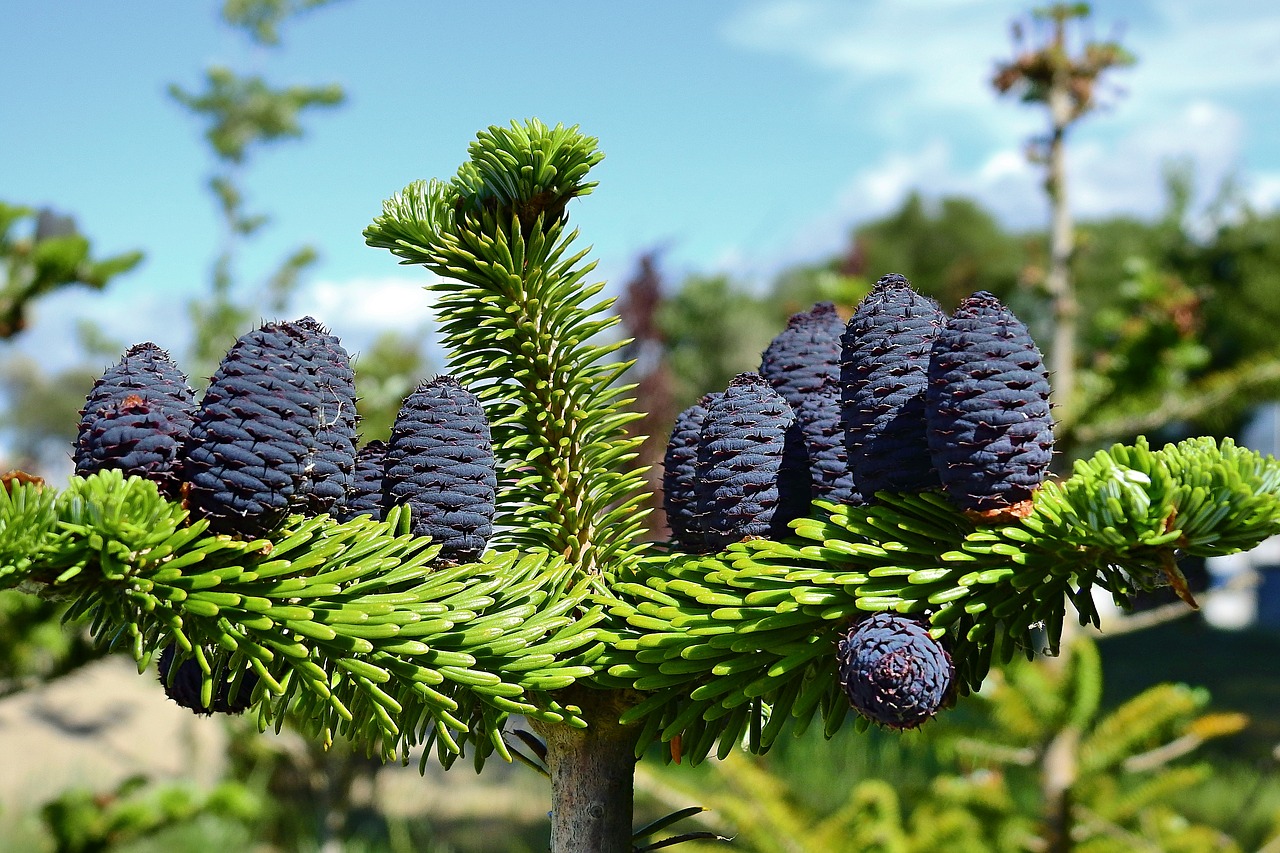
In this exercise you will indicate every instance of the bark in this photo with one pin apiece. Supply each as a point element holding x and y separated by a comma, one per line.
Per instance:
<point>1059,779</point>
<point>592,775</point>
<point>1062,240</point>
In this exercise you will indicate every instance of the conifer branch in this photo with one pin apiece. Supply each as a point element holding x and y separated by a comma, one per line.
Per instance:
<point>523,334</point>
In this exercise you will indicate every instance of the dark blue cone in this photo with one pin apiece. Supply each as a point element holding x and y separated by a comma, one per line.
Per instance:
<point>440,462</point>
<point>255,433</point>
<point>990,430</point>
<point>893,672</point>
<point>819,421</point>
<point>365,496</point>
<point>330,468</point>
<point>806,355</point>
<point>740,457</point>
<point>679,477</point>
<point>135,420</point>
<point>184,687</point>
<point>884,371</point>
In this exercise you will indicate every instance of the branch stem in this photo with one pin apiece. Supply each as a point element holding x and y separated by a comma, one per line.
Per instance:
<point>592,775</point>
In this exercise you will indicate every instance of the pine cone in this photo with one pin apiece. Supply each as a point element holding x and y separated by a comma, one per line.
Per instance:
<point>819,421</point>
<point>440,462</point>
<point>740,454</point>
<point>365,497</point>
<point>185,687</point>
<point>884,366</point>
<point>330,469</point>
<point>990,430</point>
<point>679,477</point>
<point>255,433</point>
<point>135,420</point>
<point>893,672</point>
<point>806,355</point>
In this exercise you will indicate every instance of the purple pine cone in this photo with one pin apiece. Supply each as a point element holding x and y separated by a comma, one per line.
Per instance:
<point>330,469</point>
<point>135,420</point>
<point>893,672</point>
<point>990,430</point>
<point>679,477</point>
<point>255,433</point>
<point>740,457</point>
<point>440,462</point>
<point>806,355</point>
<point>185,687</point>
<point>365,497</point>
<point>884,365</point>
<point>819,422</point>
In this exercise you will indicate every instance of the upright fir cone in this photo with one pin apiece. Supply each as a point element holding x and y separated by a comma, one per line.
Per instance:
<point>440,462</point>
<point>893,672</point>
<point>806,355</point>
<point>255,432</point>
<point>990,430</point>
<point>184,686</point>
<point>819,420</point>
<point>680,478</point>
<point>740,458</point>
<point>365,496</point>
<point>136,418</point>
<point>884,371</point>
<point>329,472</point>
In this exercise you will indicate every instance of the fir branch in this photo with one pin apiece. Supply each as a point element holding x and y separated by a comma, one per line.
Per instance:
<point>523,335</point>
<point>352,626</point>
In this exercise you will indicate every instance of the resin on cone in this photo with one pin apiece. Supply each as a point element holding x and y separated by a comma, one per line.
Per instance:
<point>135,420</point>
<point>331,467</point>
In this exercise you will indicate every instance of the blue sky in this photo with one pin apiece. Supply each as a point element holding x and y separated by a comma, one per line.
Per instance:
<point>741,136</point>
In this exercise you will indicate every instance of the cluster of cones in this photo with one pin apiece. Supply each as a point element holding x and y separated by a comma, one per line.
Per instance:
<point>275,434</point>
<point>901,398</point>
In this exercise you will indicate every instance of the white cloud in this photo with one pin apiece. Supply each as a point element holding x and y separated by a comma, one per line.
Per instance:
<point>934,49</point>
<point>358,309</point>
<point>1124,177</point>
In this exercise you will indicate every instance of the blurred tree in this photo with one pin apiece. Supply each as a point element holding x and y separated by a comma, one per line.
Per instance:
<point>951,247</point>
<point>1046,71</point>
<point>1132,761</point>
<point>714,330</point>
<point>654,392</point>
<point>386,373</point>
<point>52,256</point>
<point>244,113</point>
<point>84,821</point>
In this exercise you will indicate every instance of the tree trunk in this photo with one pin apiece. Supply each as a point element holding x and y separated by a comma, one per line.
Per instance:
<point>592,775</point>
<point>1058,781</point>
<point>1062,243</point>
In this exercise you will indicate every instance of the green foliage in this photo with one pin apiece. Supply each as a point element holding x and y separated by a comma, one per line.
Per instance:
<point>985,792</point>
<point>522,335</point>
<point>246,111</point>
<point>353,621</point>
<point>84,821</point>
<point>713,331</point>
<point>952,248</point>
<point>52,257</point>
<point>261,19</point>
<point>37,646</point>
<point>355,629</point>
